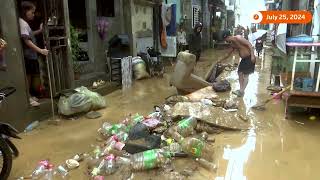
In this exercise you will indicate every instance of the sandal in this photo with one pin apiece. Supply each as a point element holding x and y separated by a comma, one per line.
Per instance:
<point>238,93</point>
<point>33,103</point>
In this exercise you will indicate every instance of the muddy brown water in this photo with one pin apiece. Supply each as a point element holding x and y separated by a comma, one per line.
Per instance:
<point>273,148</point>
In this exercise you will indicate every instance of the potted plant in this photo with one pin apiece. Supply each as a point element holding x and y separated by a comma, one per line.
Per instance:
<point>75,52</point>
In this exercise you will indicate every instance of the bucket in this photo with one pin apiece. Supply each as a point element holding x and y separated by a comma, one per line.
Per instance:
<point>307,84</point>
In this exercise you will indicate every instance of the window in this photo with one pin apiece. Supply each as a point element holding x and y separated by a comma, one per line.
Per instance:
<point>105,8</point>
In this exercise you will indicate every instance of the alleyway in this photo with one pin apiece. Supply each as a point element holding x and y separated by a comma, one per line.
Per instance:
<point>274,148</point>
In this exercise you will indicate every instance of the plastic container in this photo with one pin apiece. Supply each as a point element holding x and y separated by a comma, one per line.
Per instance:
<point>110,145</point>
<point>49,173</point>
<point>122,136</point>
<point>186,126</point>
<point>196,148</point>
<point>62,171</point>
<point>149,159</point>
<point>110,164</point>
<point>40,170</point>
<point>206,164</point>
<point>175,135</point>
<point>32,126</point>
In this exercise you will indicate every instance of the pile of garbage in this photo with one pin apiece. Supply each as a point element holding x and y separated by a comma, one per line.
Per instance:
<point>141,143</point>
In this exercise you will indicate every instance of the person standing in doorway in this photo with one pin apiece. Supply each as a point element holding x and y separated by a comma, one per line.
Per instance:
<point>248,59</point>
<point>30,49</point>
<point>195,41</point>
<point>182,39</point>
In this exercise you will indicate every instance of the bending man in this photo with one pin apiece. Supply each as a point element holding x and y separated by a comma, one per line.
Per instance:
<point>248,60</point>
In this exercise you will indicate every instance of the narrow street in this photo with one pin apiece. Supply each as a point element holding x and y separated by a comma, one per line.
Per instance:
<point>273,148</point>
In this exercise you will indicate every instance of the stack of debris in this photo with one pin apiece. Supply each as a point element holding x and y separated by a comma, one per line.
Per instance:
<point>178,129</point>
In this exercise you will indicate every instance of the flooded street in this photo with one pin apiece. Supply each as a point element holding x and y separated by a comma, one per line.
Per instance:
<point>272,148</point>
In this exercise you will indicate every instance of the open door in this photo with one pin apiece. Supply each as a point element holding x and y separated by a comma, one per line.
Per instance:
<point>56,40</point>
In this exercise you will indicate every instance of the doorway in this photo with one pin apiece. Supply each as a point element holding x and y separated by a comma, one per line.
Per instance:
<point>54,38</point>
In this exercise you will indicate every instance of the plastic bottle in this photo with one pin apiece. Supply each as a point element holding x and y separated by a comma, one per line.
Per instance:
<point>110,164</point>
<point>175,135</point>
<point>122,161</point>
<point>111,142</point>
<point>173,148</point>
<point>40,169</point>
<point>96,171</point>
<point>186,126</point>
<point>149,159</point>
<point>136,119</point>
<point>49,172</point>
<point>32,126</point>
<point>122,136</point>
<point>62,171</point>
<point>206,164</point>
<point>104,130</point>
<point>196,148</point>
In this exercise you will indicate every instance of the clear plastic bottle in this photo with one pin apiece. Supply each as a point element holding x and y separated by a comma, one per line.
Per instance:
<point>110,166</point>
<point>173,148</point>
<point>149,159</point>
<point>109,145</point>
<point>174,134</point>
<point>196,148</point>
<point>32,126</point>
<point>97,170</point>
<point>122,136</point>
<point>40,170</point>
<point>186,126</point>
<point>49,173</point>
<point>62,171</point>
<point>206,164</point>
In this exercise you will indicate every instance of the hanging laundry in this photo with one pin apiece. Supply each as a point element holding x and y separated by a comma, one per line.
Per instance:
<point>163,21</point>
<point>171,27</point>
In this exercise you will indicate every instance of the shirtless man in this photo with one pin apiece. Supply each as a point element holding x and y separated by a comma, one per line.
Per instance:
<point>248,60</point>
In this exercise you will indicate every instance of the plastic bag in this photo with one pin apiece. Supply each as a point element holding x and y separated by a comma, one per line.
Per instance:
<point>73,104</point>
<point>139,69</point>
<point>97,100</point>
<point>221,86</point>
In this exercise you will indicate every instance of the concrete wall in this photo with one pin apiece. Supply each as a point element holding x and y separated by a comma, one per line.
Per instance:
<point>96,68</point>
<point>15,108</point>
<point>142,26</point>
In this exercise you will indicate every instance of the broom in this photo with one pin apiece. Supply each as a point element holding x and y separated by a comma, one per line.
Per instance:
<point>262,105</point>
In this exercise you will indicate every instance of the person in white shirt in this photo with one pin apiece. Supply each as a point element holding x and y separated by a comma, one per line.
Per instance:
<point>30,49</point>
<point>182,39</point>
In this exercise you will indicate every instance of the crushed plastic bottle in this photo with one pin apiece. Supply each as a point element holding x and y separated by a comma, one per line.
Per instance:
<point>186,126</point>
<point>40,170</point>
<point>32,126</point>
<point>110,167</point>
<point>149,159</point>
